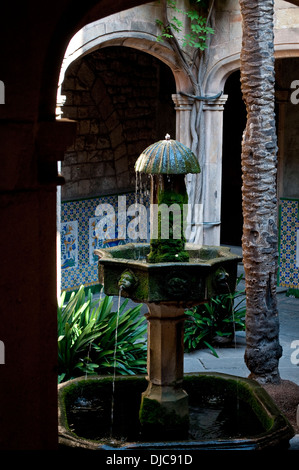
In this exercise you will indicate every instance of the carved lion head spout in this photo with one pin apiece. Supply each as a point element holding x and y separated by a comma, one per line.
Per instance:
<point>127,280</point>
<point>220,280</point>
<point>177,286</point>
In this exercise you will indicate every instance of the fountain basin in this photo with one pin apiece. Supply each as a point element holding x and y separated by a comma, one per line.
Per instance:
<point>167,288</point>
<point>238,412</point>
<point>211,270</point>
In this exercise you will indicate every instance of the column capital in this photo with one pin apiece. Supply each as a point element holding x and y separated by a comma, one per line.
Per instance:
<point>215,105</point>
<point>182,102</point>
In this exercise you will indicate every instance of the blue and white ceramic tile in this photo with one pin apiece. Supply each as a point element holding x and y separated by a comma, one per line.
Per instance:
<point>82,231</point>
<point>69,244</point>
<point>288,273</point>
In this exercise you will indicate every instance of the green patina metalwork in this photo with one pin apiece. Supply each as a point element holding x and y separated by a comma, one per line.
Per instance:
<point>168,157</point>
<point>168,161</point>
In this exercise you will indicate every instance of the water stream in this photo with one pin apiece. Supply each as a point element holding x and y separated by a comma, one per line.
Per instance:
<point>235,342</point>
<point>137,186</point>
<point>88,356</point>
<point>233,315</point>
<point>142,188</point>
<point>114,361</point>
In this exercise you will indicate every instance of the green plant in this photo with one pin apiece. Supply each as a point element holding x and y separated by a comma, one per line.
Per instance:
<point>198,25</point>
<point>87,341</point>
<point>222,316</point>
<point>292,293</point>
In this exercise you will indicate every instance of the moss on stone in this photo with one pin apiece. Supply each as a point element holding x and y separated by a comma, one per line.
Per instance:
<point>200,387</point>
<point>171,248</point>
<point>156,420</point>
<point>232,388</point>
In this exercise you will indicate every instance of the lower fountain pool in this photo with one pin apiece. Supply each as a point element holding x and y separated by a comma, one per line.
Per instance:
<point>225,412</point>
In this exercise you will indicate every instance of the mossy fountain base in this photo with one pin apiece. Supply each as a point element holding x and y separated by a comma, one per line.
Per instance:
<point>167,289</point>
<point>226,412</point>
<point>209,271</point>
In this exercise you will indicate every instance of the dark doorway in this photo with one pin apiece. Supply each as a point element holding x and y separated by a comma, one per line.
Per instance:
<point>234,121</point>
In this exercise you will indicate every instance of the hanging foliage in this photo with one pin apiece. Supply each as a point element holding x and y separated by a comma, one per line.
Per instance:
<point>199,29</point>
<point>196,42</point>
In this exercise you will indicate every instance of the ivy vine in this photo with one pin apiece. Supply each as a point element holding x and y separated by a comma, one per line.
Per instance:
<point>199,29</point>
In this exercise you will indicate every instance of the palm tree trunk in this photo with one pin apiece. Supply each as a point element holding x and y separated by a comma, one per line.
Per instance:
<point>259,157</point>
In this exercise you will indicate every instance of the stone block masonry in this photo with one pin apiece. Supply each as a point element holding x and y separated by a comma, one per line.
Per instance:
<point>121,100</point>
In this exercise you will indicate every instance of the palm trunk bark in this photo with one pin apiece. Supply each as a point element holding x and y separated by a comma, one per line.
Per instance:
<point>259,158</point>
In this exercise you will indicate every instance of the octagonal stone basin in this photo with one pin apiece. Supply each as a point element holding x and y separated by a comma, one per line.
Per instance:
<point>211,270</point>
<point>226,412</point>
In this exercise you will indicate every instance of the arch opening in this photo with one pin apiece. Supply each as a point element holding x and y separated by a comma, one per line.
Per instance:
<point>234,121</point>
<point>121,99</point>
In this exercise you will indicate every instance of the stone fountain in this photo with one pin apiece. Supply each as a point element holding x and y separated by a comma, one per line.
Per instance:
<point>169,275</point>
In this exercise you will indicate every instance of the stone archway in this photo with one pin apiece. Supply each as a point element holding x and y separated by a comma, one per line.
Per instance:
<point>225,75</point>
<point>121,100</point>
<point>216,80</point>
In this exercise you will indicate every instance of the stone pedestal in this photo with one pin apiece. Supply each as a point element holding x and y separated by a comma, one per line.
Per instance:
<point>164,405</point>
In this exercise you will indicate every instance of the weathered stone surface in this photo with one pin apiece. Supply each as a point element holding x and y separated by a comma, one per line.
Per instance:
<point>118,112</point>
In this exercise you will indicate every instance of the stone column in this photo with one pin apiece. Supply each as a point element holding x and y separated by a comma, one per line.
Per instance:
<point>28,178</point>
<point>164,407</point>
<point>212,169</point>
<point>208,213</point>
<point>183,107</point>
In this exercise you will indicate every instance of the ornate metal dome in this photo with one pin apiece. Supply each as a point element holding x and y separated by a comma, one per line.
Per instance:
<point>167,157</point>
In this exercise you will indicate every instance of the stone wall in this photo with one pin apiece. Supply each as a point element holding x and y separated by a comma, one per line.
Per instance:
<point>121,100</point>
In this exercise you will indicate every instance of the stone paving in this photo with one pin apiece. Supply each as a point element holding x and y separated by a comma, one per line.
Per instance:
<point>231,359</point>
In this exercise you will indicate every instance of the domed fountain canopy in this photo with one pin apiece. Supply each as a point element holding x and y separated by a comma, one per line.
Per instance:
<point>167,157</point>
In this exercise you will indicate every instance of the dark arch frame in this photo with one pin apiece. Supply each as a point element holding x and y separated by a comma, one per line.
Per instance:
<point>31,140</point>
<point>77,15</point>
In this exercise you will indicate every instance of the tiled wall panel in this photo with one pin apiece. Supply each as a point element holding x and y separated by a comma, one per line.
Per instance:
<point>288,273</point>
<point>79,238</point>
